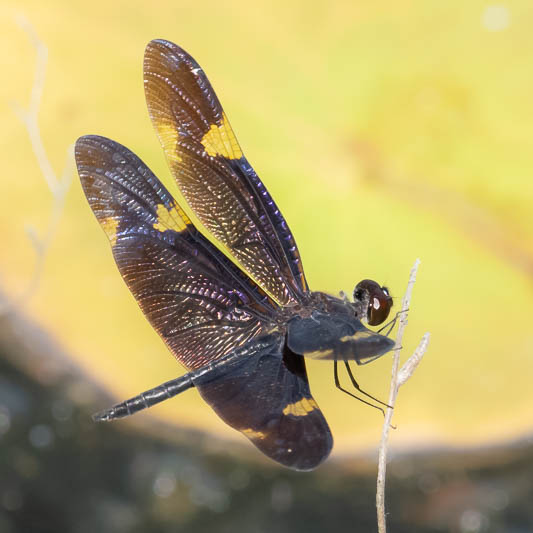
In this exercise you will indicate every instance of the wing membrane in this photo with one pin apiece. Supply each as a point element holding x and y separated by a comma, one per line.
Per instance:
<point>336,337</point>
<point>215,178</point>
<point>265,395</point>
<point>201,304</point>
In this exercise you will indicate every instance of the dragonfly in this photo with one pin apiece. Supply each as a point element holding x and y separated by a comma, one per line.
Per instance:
<point>237,312</point>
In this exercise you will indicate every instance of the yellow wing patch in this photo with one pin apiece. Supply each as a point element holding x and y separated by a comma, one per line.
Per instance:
<point>252,434</point>
<point>220,140</point>
<point>110,225</point>
<point>171,218</point>
<point>168,137</point>
<point>301,407</point>
<point>357,335</point>
<point>319,354</point>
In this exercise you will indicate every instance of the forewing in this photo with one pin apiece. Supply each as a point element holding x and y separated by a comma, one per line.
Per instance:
<point>265,395</point>
<point>201,304</point>
<point>214,176</point>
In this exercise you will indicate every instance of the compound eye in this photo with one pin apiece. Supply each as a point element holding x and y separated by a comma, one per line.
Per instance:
<point>379,308</point>
<point>358,294</point>
<point>379,301</point>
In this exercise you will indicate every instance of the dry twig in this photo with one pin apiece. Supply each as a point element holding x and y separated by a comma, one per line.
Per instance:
<point>398,379</point>
<point>58,186</point>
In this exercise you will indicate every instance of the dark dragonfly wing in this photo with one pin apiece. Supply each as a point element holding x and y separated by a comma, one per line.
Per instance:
<point>204,308</point>
<point>339,337</point>
<point>214,176</point>
<point>265,395</point>
<point>198,301</point>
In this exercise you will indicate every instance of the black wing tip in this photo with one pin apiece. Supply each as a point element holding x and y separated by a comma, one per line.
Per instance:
<point>302,442</point>
<point>163,47</point>
<point>91,146</point>
<point>161,42</point>
<point>86,142</point>
<point>89,149</point>
<point>82,147</point>
<point>82,143</point>
<point>377,346</point>
<point>312,463</point>
<point>390,342</point>
<point>310,458</point>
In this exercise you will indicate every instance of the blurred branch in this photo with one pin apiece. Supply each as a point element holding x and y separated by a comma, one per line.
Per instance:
<point>58,186</point>
<point>399,377</point>
<point>410,365</point>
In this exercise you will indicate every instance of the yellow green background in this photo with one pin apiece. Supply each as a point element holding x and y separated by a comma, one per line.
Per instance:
<point>385,131</point>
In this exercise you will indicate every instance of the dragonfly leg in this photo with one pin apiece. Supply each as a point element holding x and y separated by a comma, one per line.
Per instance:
<point>339,386</point>
<point>357,387</point>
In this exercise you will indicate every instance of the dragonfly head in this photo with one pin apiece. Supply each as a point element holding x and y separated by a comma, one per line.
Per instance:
<point>375,299</point>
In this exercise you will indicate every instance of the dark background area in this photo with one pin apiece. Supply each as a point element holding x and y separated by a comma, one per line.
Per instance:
<point>63,473</point>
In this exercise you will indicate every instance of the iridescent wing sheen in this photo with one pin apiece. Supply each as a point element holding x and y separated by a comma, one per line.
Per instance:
<point>265,395</point>
<point>215,178</point>
<point>198,301</point>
